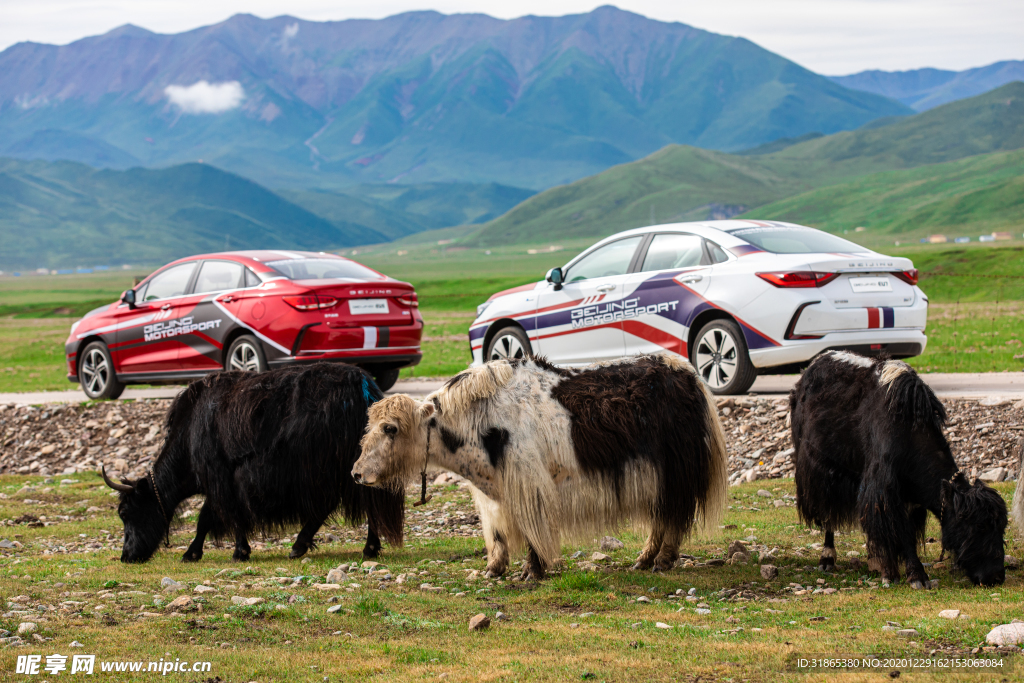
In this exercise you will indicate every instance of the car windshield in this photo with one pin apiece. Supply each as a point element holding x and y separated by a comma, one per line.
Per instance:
<point>323,269</point>
<point>792,240</point>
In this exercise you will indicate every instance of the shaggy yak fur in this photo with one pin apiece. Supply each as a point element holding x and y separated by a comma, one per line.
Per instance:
<point>870,449</point>
<point>266,451</point>
<point>552,453</point>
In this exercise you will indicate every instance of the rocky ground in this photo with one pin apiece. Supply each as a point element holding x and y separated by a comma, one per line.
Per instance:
<point>126,436</point>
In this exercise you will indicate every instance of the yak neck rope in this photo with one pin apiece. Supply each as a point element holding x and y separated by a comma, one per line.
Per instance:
<point>942,509</point>
<point>152,478</point>
<point>424,498</point>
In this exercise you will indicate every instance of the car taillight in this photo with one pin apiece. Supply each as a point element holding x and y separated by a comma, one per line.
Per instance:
<point>410,300</point>
<point>908,276</point>
<point>800,278</point>
<point>310,302</point>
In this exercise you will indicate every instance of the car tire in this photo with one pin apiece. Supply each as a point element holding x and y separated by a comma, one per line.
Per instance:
<point>721,358</point>
<point>96,373</point>
<point>508,344</point>
<point>386,379</point>
<point>246,355</point>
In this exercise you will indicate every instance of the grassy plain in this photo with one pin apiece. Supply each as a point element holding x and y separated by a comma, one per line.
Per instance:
<point>574,625</point>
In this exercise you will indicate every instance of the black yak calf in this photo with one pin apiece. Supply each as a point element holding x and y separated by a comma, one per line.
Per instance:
<point>266,451</point>
<point>870,448</point>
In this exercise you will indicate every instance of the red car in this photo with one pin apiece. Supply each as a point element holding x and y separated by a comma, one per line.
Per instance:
<point>246,310</point>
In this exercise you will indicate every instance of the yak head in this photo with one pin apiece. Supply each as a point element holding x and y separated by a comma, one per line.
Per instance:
<point>973,523</point>
<point>144,522</point>
<point>394,447</point>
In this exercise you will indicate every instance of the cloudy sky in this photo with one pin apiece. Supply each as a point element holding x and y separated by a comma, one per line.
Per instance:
<point>829,36</point>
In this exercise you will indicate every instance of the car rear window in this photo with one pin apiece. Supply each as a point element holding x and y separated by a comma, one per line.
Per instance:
<point>791,240</point>
<point>323,269</point>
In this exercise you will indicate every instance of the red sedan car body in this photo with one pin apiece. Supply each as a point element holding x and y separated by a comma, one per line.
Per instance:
<point>246,310</point>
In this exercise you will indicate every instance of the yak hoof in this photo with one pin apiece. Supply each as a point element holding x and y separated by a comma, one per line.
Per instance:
<point>918,585</point>
<point>827,567</point>
<point>297,551</point>
<point>192,556</point>
<point>370,552</point>
<point>531,574</point>
<point>240,557</point>
<point>642,566</point>
<point>493,573</point>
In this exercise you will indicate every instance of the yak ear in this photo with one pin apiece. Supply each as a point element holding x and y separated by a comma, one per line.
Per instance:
<point>426,411</point>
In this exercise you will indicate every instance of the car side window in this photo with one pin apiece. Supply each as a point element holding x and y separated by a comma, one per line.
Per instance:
<point>611,259</point>
<point>216,276</point>
<point>171,282</point>
<point>718,254</point>
<point>670,251</point>
<point>251,279</point>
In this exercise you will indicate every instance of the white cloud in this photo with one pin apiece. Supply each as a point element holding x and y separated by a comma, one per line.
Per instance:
<point>206,98</point>
<point>291,30</point>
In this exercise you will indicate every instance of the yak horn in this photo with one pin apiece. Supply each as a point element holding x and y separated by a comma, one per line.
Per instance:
<point>116,485</point>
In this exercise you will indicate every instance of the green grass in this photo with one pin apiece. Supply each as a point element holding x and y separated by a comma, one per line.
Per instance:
<point>974,337</point>
<point>404,633</point>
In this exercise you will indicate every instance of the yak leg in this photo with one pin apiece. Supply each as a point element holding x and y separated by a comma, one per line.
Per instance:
<point>497,560</point>
<point>891,532</point>
<point>204,525</point>
<point>669,552</point>
<point>304,542</point>
<point>651,548</point>
<point>534,567</point>
<point>827,563</point>
<point>916,575</point>
<point>372,547</point>
<point>242,549</point>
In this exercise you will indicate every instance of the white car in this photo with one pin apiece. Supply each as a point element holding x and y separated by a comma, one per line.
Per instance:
<point>735,297</point>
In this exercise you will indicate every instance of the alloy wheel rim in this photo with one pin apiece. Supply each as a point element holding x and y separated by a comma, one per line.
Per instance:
<point>244,358</point>
<point>95,372</point>
<point>717,358</point>
<point>507,347</point>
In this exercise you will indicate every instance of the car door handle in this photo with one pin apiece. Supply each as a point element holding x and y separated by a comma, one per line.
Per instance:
<point>228,299</point>
<point>691,278</point>
<point>605,288</point>
<point>165,307</point>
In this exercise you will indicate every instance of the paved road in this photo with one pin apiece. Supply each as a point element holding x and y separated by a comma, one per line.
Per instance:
<point>946,385</point>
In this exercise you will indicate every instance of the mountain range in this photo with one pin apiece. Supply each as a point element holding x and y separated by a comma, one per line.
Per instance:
<point>923,89</point>
<point>414,98</point>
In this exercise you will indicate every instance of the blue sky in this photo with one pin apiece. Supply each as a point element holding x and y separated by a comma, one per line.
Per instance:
<point>833,37</point>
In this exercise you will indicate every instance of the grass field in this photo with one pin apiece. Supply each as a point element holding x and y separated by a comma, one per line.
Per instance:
<point>975,325</point>
<point>574,625</point>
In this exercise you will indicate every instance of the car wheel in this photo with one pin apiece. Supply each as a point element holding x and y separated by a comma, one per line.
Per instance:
<point>510,343</point>
<point>246,355</point>
<point>721,358</point>
<point>386,379</point>
<point>96,373</point>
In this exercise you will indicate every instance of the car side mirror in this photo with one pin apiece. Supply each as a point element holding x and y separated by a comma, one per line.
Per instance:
<point>555,277</point>
<point>129,298</point>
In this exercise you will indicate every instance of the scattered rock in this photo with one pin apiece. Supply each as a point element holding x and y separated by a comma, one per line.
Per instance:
<point>659,624</point>
<point>26,627</point>
<point>949,613</point>
<point>764,494</point>
<point>239,600</point>
<point>204,589</point>
<point>993,475</point>
<point>179,604</point>
<point>701,610</point>
<point>169,585</point>
<point>599,557</point>
<point>907,633</point>
<point>644,599</point>
<point>769,572</point>
<point>778,504</point>
<point>327,586</point>
<point>501,616</point>
<point>740,558</point>
<point>1001,636</point>
<point>736,547</point>
<point>334,610</point>
<point>370,564</point>
<point>479,622</point>
<point>1011,562</point>
<point>337,576</point>
<point>716,562</point>
<point>610,543</point>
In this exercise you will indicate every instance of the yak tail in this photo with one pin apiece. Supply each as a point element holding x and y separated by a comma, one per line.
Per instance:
<point>713,507</point>
<point>908,398</point>
<point>1018,494</point>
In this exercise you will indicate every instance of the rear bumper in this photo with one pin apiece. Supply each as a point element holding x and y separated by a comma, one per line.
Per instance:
<point>893,342</point>
<point>395,358</point>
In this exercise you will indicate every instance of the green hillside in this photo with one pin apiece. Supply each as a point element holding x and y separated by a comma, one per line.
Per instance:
<point>682,183</point>
<point>64,214</point>
<point>971,196</point>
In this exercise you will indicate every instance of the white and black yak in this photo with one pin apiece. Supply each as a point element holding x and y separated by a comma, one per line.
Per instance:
<point>554,453</point>
<point>266,451</point>
<point>870,449</point>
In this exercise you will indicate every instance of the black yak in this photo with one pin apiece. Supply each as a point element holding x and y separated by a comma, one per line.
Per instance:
<point>266,451</point>
<point>870,448</point>
<point>553,452</point>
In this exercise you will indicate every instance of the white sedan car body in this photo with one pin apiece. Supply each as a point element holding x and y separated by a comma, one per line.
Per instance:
<point>734,297</point>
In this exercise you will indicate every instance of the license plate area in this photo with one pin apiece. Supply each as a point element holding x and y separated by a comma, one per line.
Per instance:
<point>368,306</point>
<point>870,284</point>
